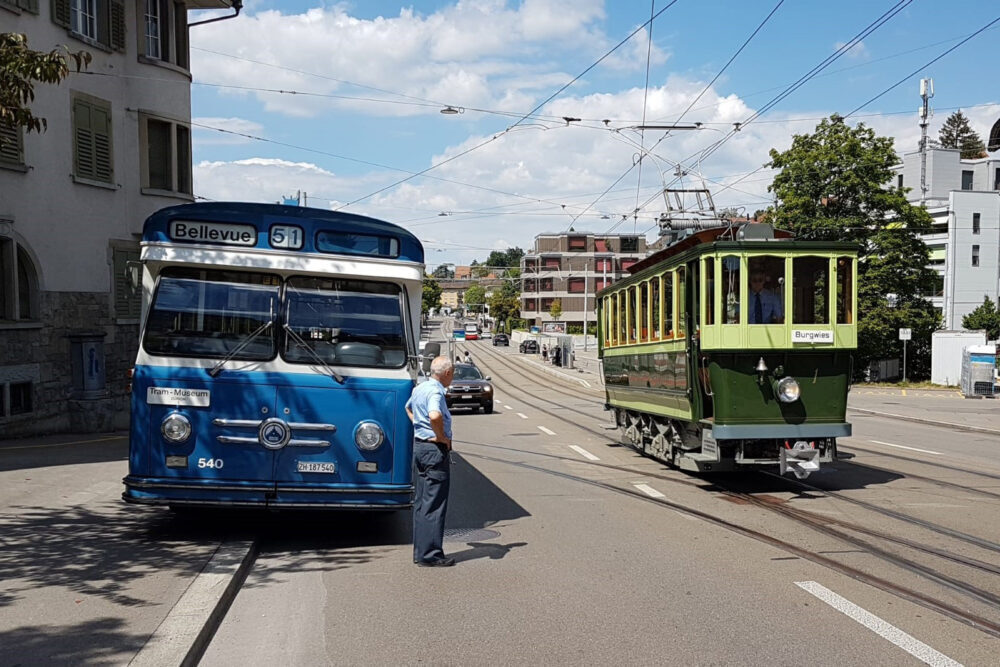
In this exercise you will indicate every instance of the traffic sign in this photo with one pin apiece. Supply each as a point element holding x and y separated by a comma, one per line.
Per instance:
<point>905,334</point>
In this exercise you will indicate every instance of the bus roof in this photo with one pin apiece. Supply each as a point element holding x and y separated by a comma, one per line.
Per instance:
<point>236,225</point>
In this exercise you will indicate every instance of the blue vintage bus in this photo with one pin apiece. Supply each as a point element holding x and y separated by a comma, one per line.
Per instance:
<point>278,349</point>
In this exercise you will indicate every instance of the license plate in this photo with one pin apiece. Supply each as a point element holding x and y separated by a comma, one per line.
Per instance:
<point>466,396</point>
<point>312,466</point>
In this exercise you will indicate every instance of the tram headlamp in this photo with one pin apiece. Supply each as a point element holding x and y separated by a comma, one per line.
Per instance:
<point>787,390</point>
<point>176,427</point>
<point>369,436</point>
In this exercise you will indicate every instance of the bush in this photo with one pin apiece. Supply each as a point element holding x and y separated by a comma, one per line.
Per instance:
<point>578,329</point>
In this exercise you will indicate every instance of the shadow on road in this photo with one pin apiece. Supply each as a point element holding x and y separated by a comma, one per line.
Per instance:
<point>15,455</point>
<point>102,641</point>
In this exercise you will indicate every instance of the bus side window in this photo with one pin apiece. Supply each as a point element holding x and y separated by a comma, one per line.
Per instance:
<point>681,302</point>
<point>845,290</point>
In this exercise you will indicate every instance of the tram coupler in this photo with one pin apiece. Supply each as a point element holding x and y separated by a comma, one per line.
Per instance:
<point>802,458</point>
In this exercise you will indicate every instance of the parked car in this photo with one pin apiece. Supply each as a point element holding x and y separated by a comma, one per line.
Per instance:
<point>470,389</point>
<point>501,339</point>
<point>529,346</point>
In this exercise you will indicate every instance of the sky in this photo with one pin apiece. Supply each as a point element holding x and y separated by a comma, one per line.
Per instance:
<point>342,101</point>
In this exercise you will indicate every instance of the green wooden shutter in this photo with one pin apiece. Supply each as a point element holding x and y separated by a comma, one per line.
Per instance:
<point>60,12</point>
<point>11,146</point>
<point>83,140</point>
<point>28,5</point>
<point>117,15</point>
<point>127,302</point>
<point>103,159</point>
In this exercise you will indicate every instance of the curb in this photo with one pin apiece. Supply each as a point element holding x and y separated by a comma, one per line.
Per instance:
<point>184,635</point>
<point>932,422</point>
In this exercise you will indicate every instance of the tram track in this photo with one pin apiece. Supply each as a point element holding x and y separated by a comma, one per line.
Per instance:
<point>825,525</point>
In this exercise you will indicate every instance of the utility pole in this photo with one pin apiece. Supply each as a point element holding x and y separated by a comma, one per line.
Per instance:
<point>926,93</point>
<point>586,295</point>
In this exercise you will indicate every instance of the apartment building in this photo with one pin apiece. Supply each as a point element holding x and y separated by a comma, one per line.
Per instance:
<point>73,200</point>
<point>963,198</point>
<point>572,267</point>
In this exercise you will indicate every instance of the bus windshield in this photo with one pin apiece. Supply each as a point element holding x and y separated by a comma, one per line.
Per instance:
<point>345,322</point>
<point>209,313</point>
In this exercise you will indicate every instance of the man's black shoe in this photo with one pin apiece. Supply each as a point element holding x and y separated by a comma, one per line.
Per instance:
<point>437,562</point>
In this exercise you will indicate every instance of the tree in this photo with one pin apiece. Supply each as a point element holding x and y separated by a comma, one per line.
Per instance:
<point>20,69</point>
<point>833,186</point>
<point>431,295</point>
<point>475,295</point>
<point>445,271</point>
<point>555,310</point>
<point>957,133</point>
<point>503,308</point>
<point>511,257</point>
<point>985,317</point>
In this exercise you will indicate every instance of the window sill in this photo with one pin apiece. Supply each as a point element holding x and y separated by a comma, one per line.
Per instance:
<point>127,320</point>
<point>26,324</point>
<point>97,184</point>
<point>156,62</point>
<point>10,166</point>
<point>90,41</point>
<point>156,192</point>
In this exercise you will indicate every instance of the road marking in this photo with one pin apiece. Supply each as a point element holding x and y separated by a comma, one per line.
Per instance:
<point>522,415</point>
<point>904,392</point>
<point>882,628</point>
<point>583,452</point>
<point>65,444</point>
<point>648,490</point>
<point>507,407</point>
<point>545,430</point>
<point>912,449</point>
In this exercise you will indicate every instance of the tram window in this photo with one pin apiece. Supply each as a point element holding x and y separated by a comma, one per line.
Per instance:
<point>811,290</point>
<point>605,320</point>
<point>209,313</point>
<point>766,296</point>
<point>633,299</point>
<point>681,302</point>
<point>730,309</point>
<point>709,290</point>
<point>667,305</point>
<point>357,244</point>
<point>644,312</point>
<point>344,322</point>
<point>622,318</point>
<point>845,290</point>
<point>656,305</point>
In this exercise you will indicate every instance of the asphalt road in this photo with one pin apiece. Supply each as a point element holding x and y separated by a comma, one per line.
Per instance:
<point>562,559</point>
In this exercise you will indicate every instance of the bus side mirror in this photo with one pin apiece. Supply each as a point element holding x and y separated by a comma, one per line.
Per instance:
<point>431,350</point>
<point>133,274</point>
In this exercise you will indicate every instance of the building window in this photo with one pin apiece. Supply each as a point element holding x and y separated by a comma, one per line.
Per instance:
<point>628,263</point>
<point>153,28</point>
<point>577,285</point>
<point>967,180</point>
<point>127,300</point>
<point>17,6</point>
<point>11,145</point>
<point>630,244</point>
<point>601,245</point>
<point>98,22</point>
<point>975,255</point>
<point>603,264</point>
<point>19,398</point>
<point>975,223</point>
<point>899,181</point>
<point>163,25</point>
<point>545,285</point>
<point>996,180</point>
<point>577,243</point>
<point>18,283</point>
<point>92,147</point>
<point>166,157</point>
<point>551,264</point>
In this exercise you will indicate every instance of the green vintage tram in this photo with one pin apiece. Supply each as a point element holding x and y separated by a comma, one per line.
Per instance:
<point>732,348</point>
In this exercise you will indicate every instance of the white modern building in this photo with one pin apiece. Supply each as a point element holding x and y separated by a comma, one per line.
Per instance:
<point>73,200</point>
<point>963,197</point>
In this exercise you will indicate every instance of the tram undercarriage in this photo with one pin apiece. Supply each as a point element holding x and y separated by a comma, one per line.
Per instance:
<point>692,447</point>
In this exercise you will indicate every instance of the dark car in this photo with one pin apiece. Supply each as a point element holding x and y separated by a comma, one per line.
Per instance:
<point>469,389</point>
<point>501,339</point>
<point>529,346</point>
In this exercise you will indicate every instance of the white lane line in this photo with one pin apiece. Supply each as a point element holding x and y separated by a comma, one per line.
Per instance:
<point>882,628</point>
<point>912,449</point>
<point>507,407</point>
<point>648,490</point>
<point>522,415</point>
<point>545,430</point>
<point>584,453</point>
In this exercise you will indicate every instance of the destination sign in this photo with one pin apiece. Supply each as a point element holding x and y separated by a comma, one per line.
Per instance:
<point>213,232</point>
<point>810,336</point>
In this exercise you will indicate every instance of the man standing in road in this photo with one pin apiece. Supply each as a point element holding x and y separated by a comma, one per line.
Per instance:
<point>428,410</point>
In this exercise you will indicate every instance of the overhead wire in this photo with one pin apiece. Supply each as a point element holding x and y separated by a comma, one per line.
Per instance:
<point>645,97</point>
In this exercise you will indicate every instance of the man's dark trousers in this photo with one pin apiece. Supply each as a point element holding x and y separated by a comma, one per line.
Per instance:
<point>430,502</point>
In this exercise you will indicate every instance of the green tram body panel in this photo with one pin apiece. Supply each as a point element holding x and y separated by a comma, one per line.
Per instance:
<point>711,375</point>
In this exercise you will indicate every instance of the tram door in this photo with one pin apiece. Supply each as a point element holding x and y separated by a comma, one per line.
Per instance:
<point>701,402</point>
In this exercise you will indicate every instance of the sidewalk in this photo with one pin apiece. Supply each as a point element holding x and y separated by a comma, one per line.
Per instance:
<point>941,407</point>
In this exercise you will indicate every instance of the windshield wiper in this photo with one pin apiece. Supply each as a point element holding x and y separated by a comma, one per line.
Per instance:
<point>298,339</point>
<point>239,348</point>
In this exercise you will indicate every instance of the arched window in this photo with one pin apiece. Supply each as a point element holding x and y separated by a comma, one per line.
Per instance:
<point>994,143</point>
<point>18,282</point>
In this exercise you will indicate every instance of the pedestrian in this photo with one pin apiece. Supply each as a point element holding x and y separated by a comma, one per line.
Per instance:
<point>428,410</point>
<point>545,353</point>
<point>557,357</point>
<point>467,358</point>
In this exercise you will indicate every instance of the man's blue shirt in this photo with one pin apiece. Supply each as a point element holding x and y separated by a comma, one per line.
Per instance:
<point>770,307</point>
<point>428,397</point>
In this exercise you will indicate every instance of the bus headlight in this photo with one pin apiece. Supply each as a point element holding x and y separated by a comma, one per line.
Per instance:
<point>369,436</point>
<point>787,390</point>
<point>176,427</point>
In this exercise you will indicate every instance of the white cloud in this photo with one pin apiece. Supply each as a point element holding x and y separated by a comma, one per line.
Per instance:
<point>857,52</point>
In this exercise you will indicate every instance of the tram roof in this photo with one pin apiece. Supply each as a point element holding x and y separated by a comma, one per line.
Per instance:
<point>263,217</point>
